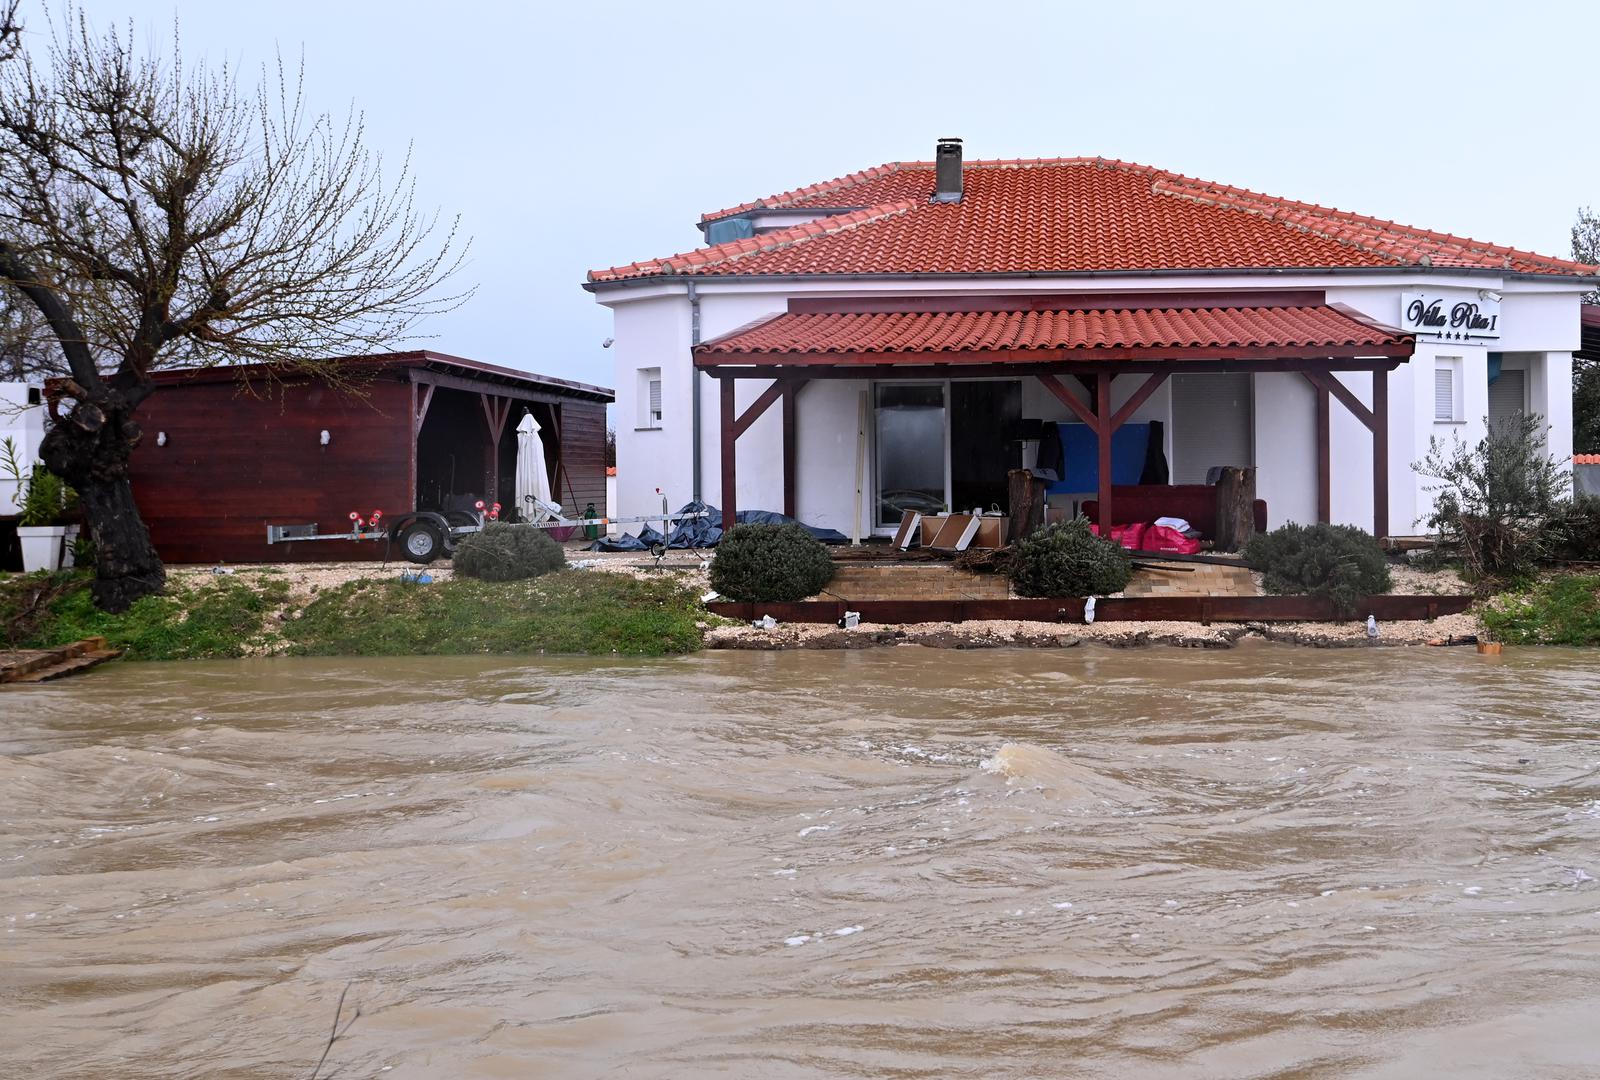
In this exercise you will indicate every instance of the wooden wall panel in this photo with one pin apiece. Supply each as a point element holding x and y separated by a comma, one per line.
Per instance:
<point>233,463</point>
<point>583,453</point>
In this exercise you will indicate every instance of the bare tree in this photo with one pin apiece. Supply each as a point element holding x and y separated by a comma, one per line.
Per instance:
<point>156,216</point>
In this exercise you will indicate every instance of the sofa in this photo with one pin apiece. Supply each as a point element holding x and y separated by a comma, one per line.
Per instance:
<point>1195,503</point>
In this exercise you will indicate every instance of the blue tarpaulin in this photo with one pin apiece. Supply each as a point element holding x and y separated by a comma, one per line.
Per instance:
<point>707,531</point>
<point>1081,457</point>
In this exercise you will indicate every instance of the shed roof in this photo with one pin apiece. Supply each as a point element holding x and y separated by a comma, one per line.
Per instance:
<point>418,358</point>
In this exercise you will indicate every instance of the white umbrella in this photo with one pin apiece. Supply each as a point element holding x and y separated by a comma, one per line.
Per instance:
<point>533,479</point>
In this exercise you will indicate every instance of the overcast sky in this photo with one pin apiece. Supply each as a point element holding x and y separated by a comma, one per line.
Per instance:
<point>578,135</point>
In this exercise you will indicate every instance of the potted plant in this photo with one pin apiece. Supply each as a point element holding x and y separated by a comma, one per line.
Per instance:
<point>46,536</point>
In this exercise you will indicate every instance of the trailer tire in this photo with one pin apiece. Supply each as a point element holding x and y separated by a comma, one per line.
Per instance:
<point>421,542</point>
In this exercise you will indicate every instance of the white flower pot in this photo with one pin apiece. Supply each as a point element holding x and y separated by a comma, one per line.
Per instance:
<point>42,546</point>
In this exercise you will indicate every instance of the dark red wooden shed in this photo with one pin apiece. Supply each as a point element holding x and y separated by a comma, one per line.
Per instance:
<point>229,450</point>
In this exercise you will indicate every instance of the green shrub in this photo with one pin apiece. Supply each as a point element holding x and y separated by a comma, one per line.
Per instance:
<point>767,563</point>
<point>1492,500</point>
<point>1560,610</point>
<point>502,552</point>
<point>1066,559</point>
<point>1572,531</point>
<point>1337,561</point>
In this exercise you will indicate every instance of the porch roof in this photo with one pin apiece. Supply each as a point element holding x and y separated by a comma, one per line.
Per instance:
<point>1267,332</point>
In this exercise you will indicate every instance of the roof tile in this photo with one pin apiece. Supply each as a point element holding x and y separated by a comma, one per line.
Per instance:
<point>1069,215</point>
<point>834,333</point>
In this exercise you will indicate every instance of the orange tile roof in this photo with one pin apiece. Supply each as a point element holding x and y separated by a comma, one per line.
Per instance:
<point>1586,459</point>
<point>1069,215</point>
<point>1310,328</point>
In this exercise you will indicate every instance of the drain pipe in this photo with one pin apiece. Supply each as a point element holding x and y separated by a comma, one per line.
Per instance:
<point>694,383</point>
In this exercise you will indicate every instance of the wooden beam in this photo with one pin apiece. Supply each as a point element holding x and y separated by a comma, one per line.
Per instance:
<point>1102,408</point>
<point>757,408</point>
<point>479,386</point>
<point>1324,459</point>
<point>1140,396</point>
<point>730,437</point>
<point>791,394</point>
<point>1380,454</point>
<point>1070,400</point>
<point>1324,380</point>
<point>419,405</point>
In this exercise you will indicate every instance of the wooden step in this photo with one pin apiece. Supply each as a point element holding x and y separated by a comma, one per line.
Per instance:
<point>41,665</point>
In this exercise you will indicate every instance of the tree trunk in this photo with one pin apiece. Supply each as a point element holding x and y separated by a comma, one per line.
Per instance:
<point>89,448</point>
<point>1025,493</point>
<point>1236,500</point>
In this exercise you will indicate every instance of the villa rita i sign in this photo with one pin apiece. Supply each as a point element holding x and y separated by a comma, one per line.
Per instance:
<point>1461,317</point>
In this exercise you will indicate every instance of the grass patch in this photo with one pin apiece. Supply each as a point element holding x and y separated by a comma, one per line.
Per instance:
<point>1559,610</point>
<point>202,620</point>
<point>571,612</point>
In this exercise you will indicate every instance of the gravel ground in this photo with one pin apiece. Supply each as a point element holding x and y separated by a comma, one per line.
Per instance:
<point>307,579</point>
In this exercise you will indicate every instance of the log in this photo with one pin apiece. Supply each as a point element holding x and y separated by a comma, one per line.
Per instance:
<point>1236,497</point>
<point>1025,493</point>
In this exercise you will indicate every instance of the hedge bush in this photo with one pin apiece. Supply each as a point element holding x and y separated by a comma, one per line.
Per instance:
<point>769,563</point>
<point>1066,559</point>
<point>1338,561</point>
<point>1572,531</point>
<point>502,552</point>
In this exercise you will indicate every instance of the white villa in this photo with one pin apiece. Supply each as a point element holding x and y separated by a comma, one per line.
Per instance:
<point>923,327</point>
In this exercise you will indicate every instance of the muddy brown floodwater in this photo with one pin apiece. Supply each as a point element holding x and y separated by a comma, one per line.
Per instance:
<point>1266,862</point>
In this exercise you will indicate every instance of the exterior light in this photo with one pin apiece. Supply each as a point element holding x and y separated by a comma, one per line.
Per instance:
<point>323,437</point>
<point>161,438</point>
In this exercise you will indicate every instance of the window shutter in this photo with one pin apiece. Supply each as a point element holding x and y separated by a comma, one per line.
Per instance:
<point>1444,394</point>
<point>655,399</point>
<point>1506,395</point>
<point>1211,424</point>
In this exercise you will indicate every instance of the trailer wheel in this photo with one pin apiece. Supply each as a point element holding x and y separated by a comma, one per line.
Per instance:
<point>421,541</point>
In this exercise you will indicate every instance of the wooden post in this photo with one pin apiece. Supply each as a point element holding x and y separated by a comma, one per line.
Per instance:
<point>1103,429</point>
<point>790,462</point>
<point>495,411</point>
<point>1236,515</point>
<point>1025,495</point>
<point>1380,453</point>
<point>730,480</point>
<point>1324,459</point>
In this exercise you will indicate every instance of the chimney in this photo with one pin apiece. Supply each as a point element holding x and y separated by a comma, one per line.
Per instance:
<point>947,169</point>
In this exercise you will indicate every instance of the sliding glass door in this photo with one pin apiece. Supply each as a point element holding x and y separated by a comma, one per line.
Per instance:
<point>910,430</point>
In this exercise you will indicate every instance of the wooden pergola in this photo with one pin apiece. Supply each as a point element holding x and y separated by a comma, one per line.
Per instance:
<point>849,340</point>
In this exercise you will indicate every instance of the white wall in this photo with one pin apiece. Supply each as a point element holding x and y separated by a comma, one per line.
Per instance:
<point>24,425</point>
<point>1286,447</point>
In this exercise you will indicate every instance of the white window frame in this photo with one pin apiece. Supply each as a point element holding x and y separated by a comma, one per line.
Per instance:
<point>650,403</point>
<point>1450,366</point>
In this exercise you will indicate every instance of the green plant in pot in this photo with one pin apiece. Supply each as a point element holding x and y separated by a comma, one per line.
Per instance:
<point>44,506</point>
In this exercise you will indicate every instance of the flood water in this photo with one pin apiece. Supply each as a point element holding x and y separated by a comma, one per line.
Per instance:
<point>1264,862</point>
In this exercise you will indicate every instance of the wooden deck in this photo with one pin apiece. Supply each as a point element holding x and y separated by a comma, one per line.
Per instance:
<point>42,665</point>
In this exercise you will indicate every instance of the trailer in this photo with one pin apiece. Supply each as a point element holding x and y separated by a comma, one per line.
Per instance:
<point>424,535</point>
